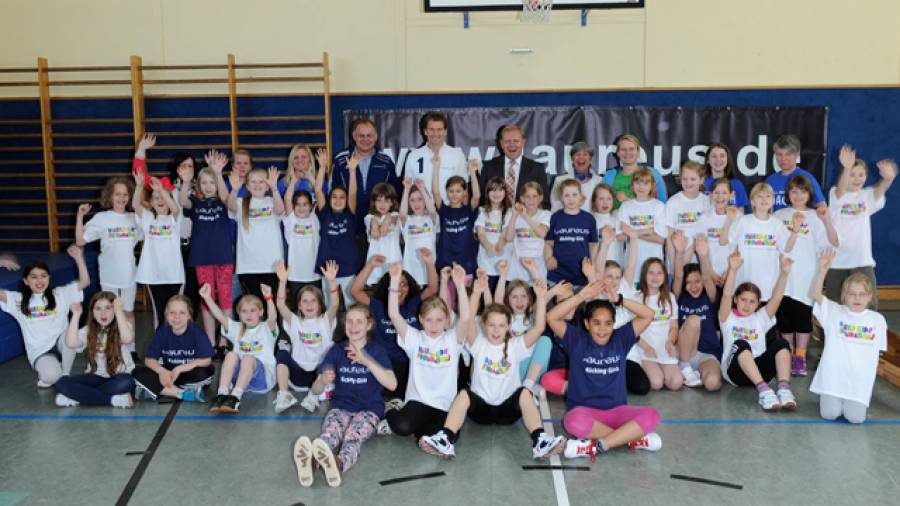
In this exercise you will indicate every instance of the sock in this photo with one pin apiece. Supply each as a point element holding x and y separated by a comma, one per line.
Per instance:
<point>682,364</point>
<point>762,387</point>
<point>784,385</point>
<point>800,352</point>
<point>451,436</point>
<point>223,390</point>
<point>535,435</point>
<point>237,392</point>
<point>602,445</point>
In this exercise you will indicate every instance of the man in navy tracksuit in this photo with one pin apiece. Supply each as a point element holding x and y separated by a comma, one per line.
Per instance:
<point>374,167</point>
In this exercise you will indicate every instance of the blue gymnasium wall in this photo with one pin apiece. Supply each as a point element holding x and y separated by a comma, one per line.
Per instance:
<point>869,119</point>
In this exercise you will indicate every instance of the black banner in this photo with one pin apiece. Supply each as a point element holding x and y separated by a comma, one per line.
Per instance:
<point>669,135</point>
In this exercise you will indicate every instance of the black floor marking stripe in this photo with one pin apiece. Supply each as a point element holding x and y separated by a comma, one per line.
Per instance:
<point>706,481</point>
<point>556,468</point>
<point>131,454</point>
<point>411,478</point>
<point>148,456</point>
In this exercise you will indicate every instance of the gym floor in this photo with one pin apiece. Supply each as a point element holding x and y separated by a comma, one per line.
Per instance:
<point>725,449</point>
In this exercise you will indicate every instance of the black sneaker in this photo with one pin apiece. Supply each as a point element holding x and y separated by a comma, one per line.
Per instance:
<point>216,405</point>
<point>230,405</point>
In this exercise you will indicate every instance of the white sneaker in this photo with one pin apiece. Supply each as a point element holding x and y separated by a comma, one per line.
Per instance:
<point>310,402</point>
<point>396,404</point>
<point>123,401</point>
<point>769,401</point>
<point>651,443</point>
<point>438,445</point>
<point>326,393</point>
<point>284,400</point>
<point>691,377</point>
<point>786,398</point>
<point>65,402</point>
<point>303,457</point>
<point>577,448</point>
<point>383,428</point>
<point>41,384</point>
<point>548,446</point>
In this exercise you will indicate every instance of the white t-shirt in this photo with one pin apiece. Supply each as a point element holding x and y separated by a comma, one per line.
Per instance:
<point>519,325</point>
<point>761,244</point>
<point>160,262</point>
<point>657,333</point>
<point>750,328</point>
<point>616,249</point>
<point>302,237</point>
<point>493,378</point>
<point>493,224</point>
<point>118,235</point>
<point>587,189</point>
<point>711,226</point>
<point>387,245</point>
<point>527,243</point>
<point>851,216</point>
<point>258,342</point>
<point>418,232</point>
<point>811,239</point>
<point>433,367</point>
<point>259,245</point>
<point>453,163</point>
<point>42,327</point>
<point>684,213</point>
<point>311,338</point>
<point>126,366</point>
<point>650,214</point>
<point>850,359</point>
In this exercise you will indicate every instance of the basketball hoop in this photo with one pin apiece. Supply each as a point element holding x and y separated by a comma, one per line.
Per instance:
<point>536,11</point>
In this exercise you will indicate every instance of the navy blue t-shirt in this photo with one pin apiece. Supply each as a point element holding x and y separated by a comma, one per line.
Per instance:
<point>171,350</point>
<point>571,235</point>
<point>456,240</point>
<point>778,181</point>
<point>707,312</point>
<point>337,233</point>
<point>355,387</point>
<point>211,242</point>
<point>597,373</point>
<point>385,334</point>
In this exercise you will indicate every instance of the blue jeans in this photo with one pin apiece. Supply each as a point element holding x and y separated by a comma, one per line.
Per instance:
<point>94,390</point>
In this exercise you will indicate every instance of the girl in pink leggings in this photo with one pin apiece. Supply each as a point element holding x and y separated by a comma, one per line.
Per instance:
<point>598,414</point>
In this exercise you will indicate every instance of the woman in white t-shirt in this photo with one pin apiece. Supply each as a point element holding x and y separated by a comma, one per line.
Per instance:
<point>852,207</point>
<point>854,337</point>
<point>497,395</point>
<point>41,312</point>
<point>107,380</point>
<point>747,358</point>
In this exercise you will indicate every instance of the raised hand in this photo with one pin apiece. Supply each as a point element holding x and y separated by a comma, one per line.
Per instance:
<point>445,272</point>
<point>611,291</point>
<point>527,262</point>
<point>592,290</point>
<point>330,270</point>
<point>607,234</point>
<point>518,208</point>
<point>786,264</point>
<point>822,212</point>
<point>701,245</point>
<point>436,160</point>
<point>540,289</point>
<point>77,309</point>
<point>322,158</point>
<point>272,179</point>
<point>427,255</point>
<point>503,267</point>
<point>235,180</point>
<point>887,169</point>
<point>75,252</point>
<point>83,209</point>
<point>481,284</point>
<point>205,291</point>
<point>473,165</point>
<point>458,274</point>
<point>156,184</point>
<point>826,258</point>
<point>266,290</point>
<point>407,183</point>
<point>395,270</point>
<point>118,306</point>
<point>377,260</point>
<point>587,267</point>
<point>563,290</point>
<point>847,156</point>
<point>679,241</point>
<point>216,160</point>
<point>353,162</point>
<point>735,261</point>
<point>147,142</point>
<point>281,270</point>
<point>420,183</point>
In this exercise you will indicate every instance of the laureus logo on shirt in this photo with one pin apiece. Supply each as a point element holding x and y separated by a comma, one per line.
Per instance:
<point>251,346</point>
<point>260,212</point>
<point>688,217</point>
<point>413,229</point>
<point>744,334</point>
<point>663,314</point>
<point>120,232</point>
<point>525,233</point>
<point>301,229</point>
<point>713,233</point>
<point>35,312</point>
<point>309,338</point>
<point>761,240</point>
<point>161,230</point>
<point>438,356</point>
<point>856,332</point>
<point>853,209</point>
<point>641,220</point>
<point>493,228</point>
<point>804,227</point>
<point>495,368</point>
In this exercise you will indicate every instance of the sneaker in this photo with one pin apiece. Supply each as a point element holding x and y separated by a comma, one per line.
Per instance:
<point>325,457</point>
<point>123,401</point>
<point>395,404</point>
<point>230,405</point>
<point>284,400</point>
<point>691,377</point>
<point>216,405</point>
<point>801,367</point>
<point>577,448</point>
<point>303,456</point>
<point>42,384</point>
<point>384,428</point>
<point>548,446</point>
<point>310,402</point>
<point>193,393</point>
<point>438,445</point>
<point>141,392</point>
<point>65,402</point>
<point>651,443</point>
<point>326,394</point>
<point>768,400</point>
<point>786,399</point>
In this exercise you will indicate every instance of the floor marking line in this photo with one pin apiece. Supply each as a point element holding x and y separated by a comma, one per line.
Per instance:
<point>706,481</point>
<point>553,468</point>
<point>148,456</point>
<point>404,479</point>
<point>559,481</point>
<point>129,454</point>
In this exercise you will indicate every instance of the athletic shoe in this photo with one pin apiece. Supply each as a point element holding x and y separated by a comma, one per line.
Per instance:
<point>651,443</point>
<point>310,402</point>
<point>438,445</point>
<point>303,455</point>
<point>576,448</point>
<point>325,457</point>
<point>230,405</point>
<point>691,377</point>
<point>801,367</point>
<point>396,404</point>
<point>768,400</point>
<point>384,428</point>
<point>193,393</point>
<point>548,446</point>
<point>141,392</point>
<point>64,402</point>
<point>326,394</point>
<point>123,401</point>
<point>284,400</point>
<point>42,384</point>
<point>786,399</point>
<point>216,405</point>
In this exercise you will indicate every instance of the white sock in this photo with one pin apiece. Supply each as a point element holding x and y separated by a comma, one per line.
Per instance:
<point>237,392</point>
<point>120,401</point>
<point>223,391</point>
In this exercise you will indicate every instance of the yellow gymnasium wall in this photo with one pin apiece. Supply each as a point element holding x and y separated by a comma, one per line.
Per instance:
<point>393,46</point>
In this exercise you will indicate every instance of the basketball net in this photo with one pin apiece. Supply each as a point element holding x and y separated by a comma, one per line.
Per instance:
<point>536,11</point>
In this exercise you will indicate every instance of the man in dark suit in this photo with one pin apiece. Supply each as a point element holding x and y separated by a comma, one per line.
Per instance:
<point>513,167</point>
